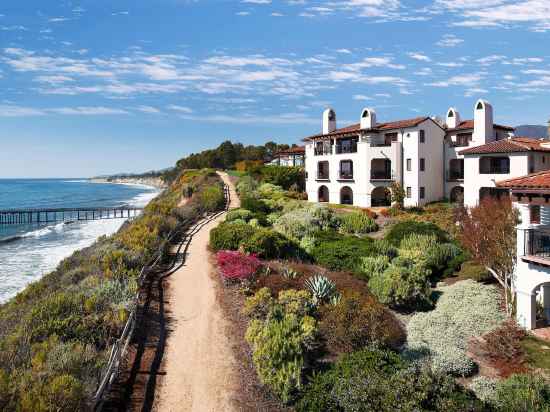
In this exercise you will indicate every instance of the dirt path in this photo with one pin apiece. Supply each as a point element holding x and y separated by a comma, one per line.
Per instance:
<point>199,365</point>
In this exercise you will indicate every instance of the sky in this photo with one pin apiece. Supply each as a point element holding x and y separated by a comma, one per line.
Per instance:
<point>97,87</point>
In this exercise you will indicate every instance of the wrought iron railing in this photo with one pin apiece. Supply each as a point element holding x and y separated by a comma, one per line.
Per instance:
<point>536,242</point>
<point>381,175</point>
<point>323,150</point>
<point>455,175</point>
<point>347,148</point>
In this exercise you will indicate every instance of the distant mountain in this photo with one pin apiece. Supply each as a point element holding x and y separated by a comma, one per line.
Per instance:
<point>529,130</point>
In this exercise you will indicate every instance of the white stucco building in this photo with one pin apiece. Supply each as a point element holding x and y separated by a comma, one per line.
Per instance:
<point>431,159</point>
<point>292,157</point>
<point>531,196</point>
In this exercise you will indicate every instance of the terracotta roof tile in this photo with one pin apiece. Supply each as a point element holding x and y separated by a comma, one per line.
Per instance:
<point>354,128</point>
<point>292,150</point>
<point>513,145</point>
<point>539,180</point>
<point>469,124</point>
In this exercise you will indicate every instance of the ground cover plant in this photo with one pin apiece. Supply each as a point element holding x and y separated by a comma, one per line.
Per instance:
<point>56,335</point>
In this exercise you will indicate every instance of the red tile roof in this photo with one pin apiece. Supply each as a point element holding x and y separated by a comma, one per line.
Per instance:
<point>292,150</point>
<point>469,124</point>
<point>513,145</point>
<point>539,180</point>
<point>354,128</point>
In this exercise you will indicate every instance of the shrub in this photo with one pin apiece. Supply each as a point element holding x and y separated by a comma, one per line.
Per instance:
<point>474,271</point>
<point>281,343</point>
<point>357,223</point>
<point>403,284</point>
<point>484,388</point>
<point>370,266</point>
<point>270,191</point>
<point>268,244</point>
<point>340,252</point>
<point>521,393</point>
<point>259,305</point>
<point>284,176</point>
<point>379,380</point>
<point>502,346</point>
<point>241,214</point>
<point>403,229</point>
<point>246,185</point>
<point>237,266</point>
<point>212,198</point>
<point>229,235</point>
<point>254,205</point>
<point>357,321</point>
<point>300,223</point>
<point>464,310</point>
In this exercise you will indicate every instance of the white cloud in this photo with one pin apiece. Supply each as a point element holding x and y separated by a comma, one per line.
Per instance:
<point>419,56</point>
<point>449,40</point>
<point>181,109</point>
<point>460,80</point>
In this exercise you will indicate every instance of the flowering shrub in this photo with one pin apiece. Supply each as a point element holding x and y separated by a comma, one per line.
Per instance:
<point>237,266</point>
<point>465,309</point>
<point>242,214</point>
<point>484,388</point>
<point>229,235</point>
<point>270,191</point>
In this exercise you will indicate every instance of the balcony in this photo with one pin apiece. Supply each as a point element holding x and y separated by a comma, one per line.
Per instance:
<point>381,175</point>
<point>322,150</point>
<point>347,148</point>
<point>455,175</point>
<point>536,246</point>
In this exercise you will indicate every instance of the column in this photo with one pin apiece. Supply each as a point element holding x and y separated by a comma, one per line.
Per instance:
<point>526,309</point>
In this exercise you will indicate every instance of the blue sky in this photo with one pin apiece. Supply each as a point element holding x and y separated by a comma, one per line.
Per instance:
<point>93,87</point>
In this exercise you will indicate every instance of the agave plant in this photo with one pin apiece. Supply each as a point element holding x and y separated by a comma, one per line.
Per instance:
<point>290,274</point>
<point>335,299</point>
<point>321,287</point>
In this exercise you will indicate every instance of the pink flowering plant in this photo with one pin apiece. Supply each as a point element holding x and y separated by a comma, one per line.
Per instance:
<point>237,266</point>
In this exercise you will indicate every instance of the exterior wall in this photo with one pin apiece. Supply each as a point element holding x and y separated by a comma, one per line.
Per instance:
<point>473,180</point>
<point>432,179</point>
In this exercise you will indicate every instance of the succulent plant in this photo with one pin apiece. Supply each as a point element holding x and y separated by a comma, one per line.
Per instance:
<point>335,299</point>
<point>321,287</point>
<point>290,274</point>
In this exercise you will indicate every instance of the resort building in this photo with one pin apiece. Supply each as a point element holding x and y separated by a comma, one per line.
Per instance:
<point>292,157</point>
<point>531,196</point>
<point>431,159</point>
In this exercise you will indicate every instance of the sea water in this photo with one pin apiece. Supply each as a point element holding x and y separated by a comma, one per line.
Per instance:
<point>27,252</point>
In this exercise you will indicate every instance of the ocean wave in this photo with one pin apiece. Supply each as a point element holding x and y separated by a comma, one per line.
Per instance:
<point>76,181</point>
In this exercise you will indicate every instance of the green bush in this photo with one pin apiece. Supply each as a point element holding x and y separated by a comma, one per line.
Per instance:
<point>284,176</point>
<point>230,235</point>
<point>403,284</point>
<point>280,343</point>
<point>241,214</point>
<point>340,253</point>
<point>270,191</point>
<point>378,380</point>
<point>464,310</point>
<point>357,321</point>
<point>370,266</point>
<point>268,244</point>
<point>300,223</point>
<point>254,204</point>
<point>356,223</point>
<point>522,393</point>
<point>474,271</point>
<point>246,185</point>
<point>403,229</point>
<point>212,198</point>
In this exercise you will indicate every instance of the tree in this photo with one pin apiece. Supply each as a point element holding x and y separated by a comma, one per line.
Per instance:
<point>397,194</point>
<point>488,232</point>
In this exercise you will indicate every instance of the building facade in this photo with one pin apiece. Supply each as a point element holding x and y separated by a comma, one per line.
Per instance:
<point>292,157</point>
<point>431,159</point>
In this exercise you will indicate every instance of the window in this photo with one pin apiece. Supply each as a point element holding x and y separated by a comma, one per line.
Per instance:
<point>322,171</point>
<point>422,164</point>
<point>422,135</point>
<point>331,116</point>
<point>365,114</point>
<point>494,165</point>
<point>323,147</point>
<point>534,214</point>
<point>346,169</point>
<point>409,192</point>
<point>422,192</point>
<point>409,165</point>
<point>390,137</point>
<point>451,114</point>
<point>348,145</point>
<point>463,139</point>
<point>456,169</point>
<point>479,106</point>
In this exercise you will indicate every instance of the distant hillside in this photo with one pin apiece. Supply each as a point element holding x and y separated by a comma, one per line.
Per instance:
<point>532,131</point>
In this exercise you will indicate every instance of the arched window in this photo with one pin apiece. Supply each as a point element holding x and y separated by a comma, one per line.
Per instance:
<point>365,114</point>
<point>346,196</point>
<point>451,114</point>
<point>331,115</point>
<point>380,196</point>
<point>322,194</point>
<point>457,194</point>
<point>479,106</point>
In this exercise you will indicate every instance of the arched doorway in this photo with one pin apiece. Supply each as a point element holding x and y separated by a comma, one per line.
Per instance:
<point>380,196</point>
<point>457,194</point>
<point>346,196</point>
<point>323,194</point>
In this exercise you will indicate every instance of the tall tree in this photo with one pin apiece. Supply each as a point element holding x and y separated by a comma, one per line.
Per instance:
<point>488,232</point>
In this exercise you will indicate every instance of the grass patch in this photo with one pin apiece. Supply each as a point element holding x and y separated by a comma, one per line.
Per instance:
<point>537,352</point>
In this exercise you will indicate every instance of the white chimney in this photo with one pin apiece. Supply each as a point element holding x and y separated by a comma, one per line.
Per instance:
<point>453,118</point>
<point>483,123</point>
<point>368,119</point>
<point>329,121</point>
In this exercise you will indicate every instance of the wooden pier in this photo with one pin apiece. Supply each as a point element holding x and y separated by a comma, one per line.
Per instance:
<point>30,216</point>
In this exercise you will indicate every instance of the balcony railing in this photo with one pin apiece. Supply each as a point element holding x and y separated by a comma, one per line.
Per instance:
<point>453,175</point>
<point>324,150</point>
<point>349,148</point>
<point>380,175</point>
<point>536,243</point>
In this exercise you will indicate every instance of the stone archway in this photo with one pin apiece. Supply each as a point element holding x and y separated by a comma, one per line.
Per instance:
<point>322,194</point>
<point>346,196</point>
<point>380,196</point>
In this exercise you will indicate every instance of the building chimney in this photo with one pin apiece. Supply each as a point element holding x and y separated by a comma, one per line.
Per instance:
<point>548,129</point>
<point>453,118</point>
<point>368,119</point>
<point>483,123</point>
<point>329,121</point>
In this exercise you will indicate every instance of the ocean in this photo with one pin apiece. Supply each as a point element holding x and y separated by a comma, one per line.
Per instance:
<point>27,252</point>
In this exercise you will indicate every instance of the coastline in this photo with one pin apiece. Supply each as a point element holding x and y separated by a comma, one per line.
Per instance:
<point>150,182</point>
